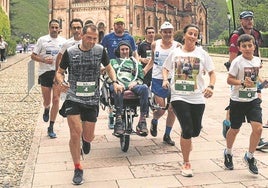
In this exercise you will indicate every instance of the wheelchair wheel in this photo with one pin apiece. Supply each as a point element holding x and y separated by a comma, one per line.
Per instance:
<point>124,142</point>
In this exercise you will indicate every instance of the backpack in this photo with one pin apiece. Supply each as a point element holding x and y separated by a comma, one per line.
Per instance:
<point>258,40</point>
<point>255,33</point>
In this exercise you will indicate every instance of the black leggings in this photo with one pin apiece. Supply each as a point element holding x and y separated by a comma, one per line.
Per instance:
<point>190,117</point>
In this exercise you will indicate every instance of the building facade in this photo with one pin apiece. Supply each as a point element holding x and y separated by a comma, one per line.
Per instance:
<point>137,13</point>
<point>5,6</point>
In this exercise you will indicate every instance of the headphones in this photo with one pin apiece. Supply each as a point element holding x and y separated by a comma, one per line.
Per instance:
<point>117,50</point>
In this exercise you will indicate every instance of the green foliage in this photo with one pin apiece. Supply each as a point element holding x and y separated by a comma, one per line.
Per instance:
<point>218,21</point>
<point>218,49</point>
<point>5,25</point>
<point>28,17</point>
<point>260,9</point>
<point>265,39</point>
<point>178,36</point>
<point>6,32</point>
<point>225,50</point>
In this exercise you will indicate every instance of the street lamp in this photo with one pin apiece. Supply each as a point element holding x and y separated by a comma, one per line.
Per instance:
<point>229,22</point>
<point>130,25</point>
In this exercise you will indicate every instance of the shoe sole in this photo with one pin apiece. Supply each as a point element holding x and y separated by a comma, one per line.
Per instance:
<point>78,183</point>
<point>141,133</point>
<point>265,126</point>
<point>171,144</point>
<point>187,175</point>
<point>264,146</point>
<point>52,136</point>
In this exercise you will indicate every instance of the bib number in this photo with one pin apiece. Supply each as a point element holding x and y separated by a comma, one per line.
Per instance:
<point>184,87</point>
<point>85,89</point>
<point>246,93</point>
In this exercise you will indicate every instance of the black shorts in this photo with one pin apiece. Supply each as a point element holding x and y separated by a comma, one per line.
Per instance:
<point>87,113</point>
<point>148,78</point>
<point>46,79</point>
<point>239,110</point>
<point>190,117</point>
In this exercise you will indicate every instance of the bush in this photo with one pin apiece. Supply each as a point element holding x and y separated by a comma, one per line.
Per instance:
<point>6,32</point>
<point>225,50</point>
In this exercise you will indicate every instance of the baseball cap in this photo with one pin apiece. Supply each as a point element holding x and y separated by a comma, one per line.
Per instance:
<point>166,25</point>
<point>119,19</point>
<point>246,14</point>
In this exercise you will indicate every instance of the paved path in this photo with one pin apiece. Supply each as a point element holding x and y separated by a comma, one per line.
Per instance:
<point>148,162</point>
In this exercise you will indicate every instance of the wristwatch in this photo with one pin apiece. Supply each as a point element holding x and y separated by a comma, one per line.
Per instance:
<point>242,83</point>
<point>211,87</point>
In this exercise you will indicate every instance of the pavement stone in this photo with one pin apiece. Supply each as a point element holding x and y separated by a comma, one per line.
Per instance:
<point>148,162</point>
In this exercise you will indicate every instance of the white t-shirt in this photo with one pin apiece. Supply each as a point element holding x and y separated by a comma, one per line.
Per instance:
<point>45,47</point>
<point>187,70</point>
<point>3,44</point>
<point>241,67</point>
<point>70,42</point>
<point>160,56</point>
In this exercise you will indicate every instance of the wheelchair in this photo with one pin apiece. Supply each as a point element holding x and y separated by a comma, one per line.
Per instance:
<point>130,104</point>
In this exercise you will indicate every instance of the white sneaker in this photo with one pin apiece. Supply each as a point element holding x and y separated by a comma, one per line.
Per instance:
<point>186,170</point>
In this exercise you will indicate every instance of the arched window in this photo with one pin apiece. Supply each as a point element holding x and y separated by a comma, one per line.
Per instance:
<point>138,21</point>
<point>88,22</point>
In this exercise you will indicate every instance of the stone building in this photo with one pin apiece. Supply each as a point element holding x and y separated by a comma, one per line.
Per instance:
<point>5,6</point>
<point>137,13</point>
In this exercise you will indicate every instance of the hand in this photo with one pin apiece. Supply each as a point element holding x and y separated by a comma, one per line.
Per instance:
<point>48,60</point>
<point>118,88</point>
<point>131,85</point>
<point>64,86</point>
<point>248,82</point>
<point>165,84</point>
<point>145,60</point>
<point>208,92</point>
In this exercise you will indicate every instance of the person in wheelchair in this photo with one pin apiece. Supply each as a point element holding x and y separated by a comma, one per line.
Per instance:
<point>130,75</point>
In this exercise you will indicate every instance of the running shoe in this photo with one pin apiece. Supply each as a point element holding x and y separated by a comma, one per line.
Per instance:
<point>51,133</point>
<point>226,124</point>
<point>46,115</point>
<point>141,128</point>
<point>262,145</point>
<point>118,127</point>
<point>153,129</point>
<point>168,140</point>
<point>228,161</point>
<point>186,170</point>
<point>251,163</point>
<point>78,177</point>
<point>86,146</point>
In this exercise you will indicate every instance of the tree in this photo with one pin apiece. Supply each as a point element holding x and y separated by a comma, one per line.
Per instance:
<point>260,10</point>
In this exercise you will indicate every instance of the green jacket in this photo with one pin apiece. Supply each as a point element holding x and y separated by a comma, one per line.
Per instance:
<point>127,70</point>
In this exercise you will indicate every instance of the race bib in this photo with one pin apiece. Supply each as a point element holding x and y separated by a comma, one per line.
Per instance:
<point>85,89</point>
<point>184,86</point>
<point>247,93</point>
<point>148,53</point>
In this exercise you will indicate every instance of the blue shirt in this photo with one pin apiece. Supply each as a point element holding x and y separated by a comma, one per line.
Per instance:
<point>110,42</point>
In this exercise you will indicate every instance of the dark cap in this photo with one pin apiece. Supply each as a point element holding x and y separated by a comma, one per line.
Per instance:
<point>246,14</point>
<point>121,43</point>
